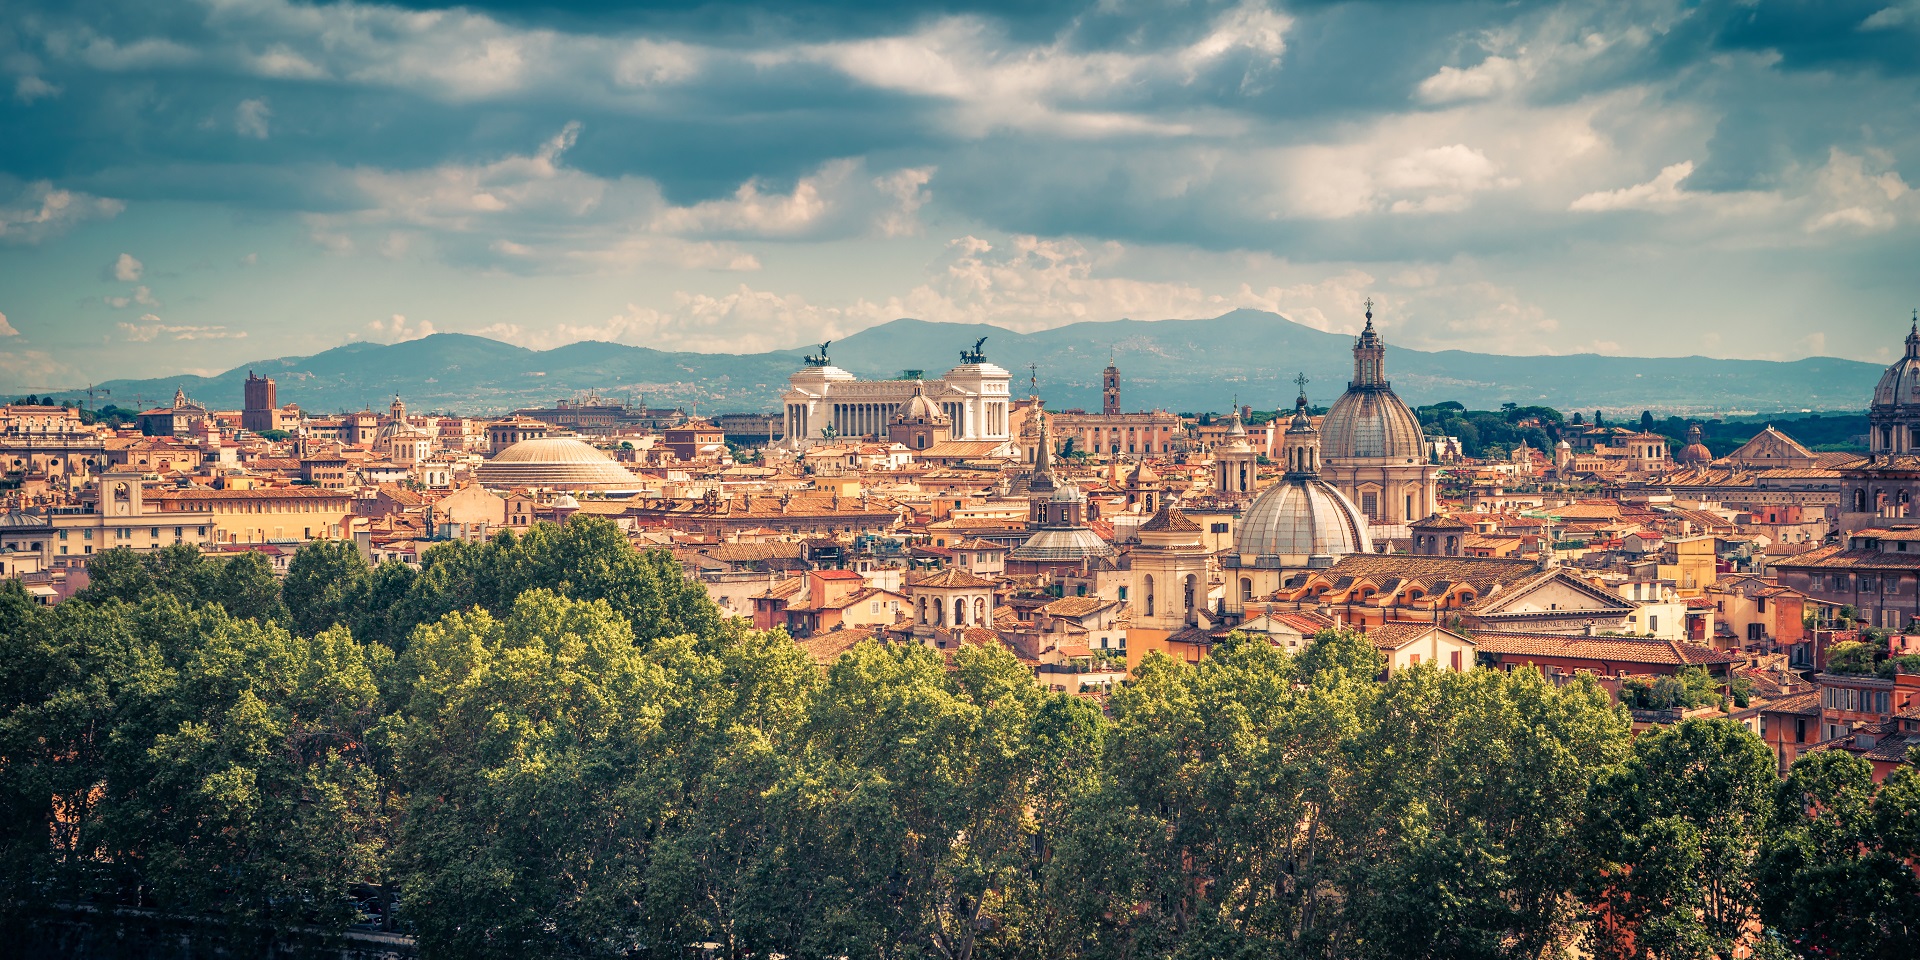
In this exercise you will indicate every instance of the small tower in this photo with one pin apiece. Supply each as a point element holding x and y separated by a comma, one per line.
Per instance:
<point>398,410</point>
<point>1369,356</point>
<point>1169,572</point>
<point>1300,445</point>
<point>1110,389</point>
<point>1235,462</point>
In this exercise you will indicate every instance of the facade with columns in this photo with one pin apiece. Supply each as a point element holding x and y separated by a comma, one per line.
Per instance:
<point>825,401</point>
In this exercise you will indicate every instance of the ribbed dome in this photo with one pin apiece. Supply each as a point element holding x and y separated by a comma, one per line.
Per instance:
<point>920,409</point>
<point>1901,383</point>
<point>1371,422</point>
<point>1292,521</point>
<point>554,462</point>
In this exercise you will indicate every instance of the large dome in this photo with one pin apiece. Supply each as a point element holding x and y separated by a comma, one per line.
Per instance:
<point>1296,520</point>
<point>1371,423</point>
<point>560,462</point>
<point>1901,383</point>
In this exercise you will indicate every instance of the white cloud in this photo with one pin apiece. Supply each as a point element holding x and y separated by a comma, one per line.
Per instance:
<point>534,213</point>
<point>141,295</point>
<point>1849,196</point>
<point>152,328</point>
<point>126,268</point>
<point>39,210</point>
<point>22,370</point>
<point>398,328</point>
<point>1893,16</point>
<point>992,83</point>
<point>1662,191</point>
<point>29,88</point>
<point>1491,76</point>
<point>6,329</point>
<point>250,118</point>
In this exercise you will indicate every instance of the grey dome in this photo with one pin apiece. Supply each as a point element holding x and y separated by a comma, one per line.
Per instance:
<point>1298,519</point>
<point>1371,422</point>
<point>1900,385</point>
<point>560,462</point>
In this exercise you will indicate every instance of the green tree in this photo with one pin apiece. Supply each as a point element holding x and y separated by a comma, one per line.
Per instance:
<point>1677,831</point>
<point>326,585</point>
<point>1852,656</point>
<point>914,817</point>
<point>117,574</point>
<point>1222,784</point>
<point>1466,815</point>
<point>251,786</point>
<point>1835,877</point>
<point>525,741</point>
<point>244,586</point>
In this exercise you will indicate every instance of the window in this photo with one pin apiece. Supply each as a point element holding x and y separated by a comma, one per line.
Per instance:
<point>1653,623</point>
<point>1456,661</point>
<point>1413,659</point>
<point>63,534</point>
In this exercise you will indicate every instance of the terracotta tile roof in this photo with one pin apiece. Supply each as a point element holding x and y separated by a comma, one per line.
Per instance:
<point>1475,570</point>
<point>1611,649</point>
<point>1843,558</point>
<point>825,648</point>
<point>783,589</point>
<point>1169,518</point>
<point>268,493</point>
<point>1076,606</point>
<point>1798,703</point>
<point>950,577</point>
<point>1440,521</point>
<point>1393,636</point>
<point>979,545</point>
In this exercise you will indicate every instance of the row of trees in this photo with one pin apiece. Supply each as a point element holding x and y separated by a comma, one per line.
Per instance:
<point>553,746</point>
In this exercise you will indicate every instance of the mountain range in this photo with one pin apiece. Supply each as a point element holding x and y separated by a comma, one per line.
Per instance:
<point>1180,365</point>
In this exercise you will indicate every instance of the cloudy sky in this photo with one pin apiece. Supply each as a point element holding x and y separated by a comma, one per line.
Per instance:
<point>192,185</point>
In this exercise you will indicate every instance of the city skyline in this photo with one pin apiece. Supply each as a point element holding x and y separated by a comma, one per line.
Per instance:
<point>212,183</point>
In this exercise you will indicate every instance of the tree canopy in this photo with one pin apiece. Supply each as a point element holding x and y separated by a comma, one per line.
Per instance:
<point>555,746</point>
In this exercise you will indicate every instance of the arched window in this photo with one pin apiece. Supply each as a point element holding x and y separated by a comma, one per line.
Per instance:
<point>1246,589</point>
<point>1187,596</point>
<point>959,611</point>
<point>922,603</point>
<point>979,610</point>
<point>1859,501</point>
<point>1149,593</point>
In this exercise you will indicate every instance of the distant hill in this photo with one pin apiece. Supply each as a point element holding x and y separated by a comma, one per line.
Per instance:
<point>1181,365</point>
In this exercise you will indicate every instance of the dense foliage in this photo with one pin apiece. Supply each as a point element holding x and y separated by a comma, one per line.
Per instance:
<point>554,746</point>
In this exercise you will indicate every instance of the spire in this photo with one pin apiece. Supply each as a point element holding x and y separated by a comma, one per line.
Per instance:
<point>1301,442</point>
<point>1043,454</point>
<point>1913,337</point>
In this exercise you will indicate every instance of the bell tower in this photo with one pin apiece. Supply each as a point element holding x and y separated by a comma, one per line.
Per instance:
<point>1110,389</point>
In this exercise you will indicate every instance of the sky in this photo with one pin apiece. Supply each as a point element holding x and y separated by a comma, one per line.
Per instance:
<point>189,186</point>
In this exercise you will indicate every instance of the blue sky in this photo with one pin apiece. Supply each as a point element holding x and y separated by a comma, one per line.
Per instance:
<point>192,185</point>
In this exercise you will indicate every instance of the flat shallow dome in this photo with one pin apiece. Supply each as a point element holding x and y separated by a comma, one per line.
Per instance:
<point>555,462</point>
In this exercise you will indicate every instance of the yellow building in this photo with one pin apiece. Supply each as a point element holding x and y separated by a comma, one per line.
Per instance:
<point>275,514</point>
<point>1692,570</point>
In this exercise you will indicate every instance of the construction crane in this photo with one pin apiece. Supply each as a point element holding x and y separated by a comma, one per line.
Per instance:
<point>94,393</point>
